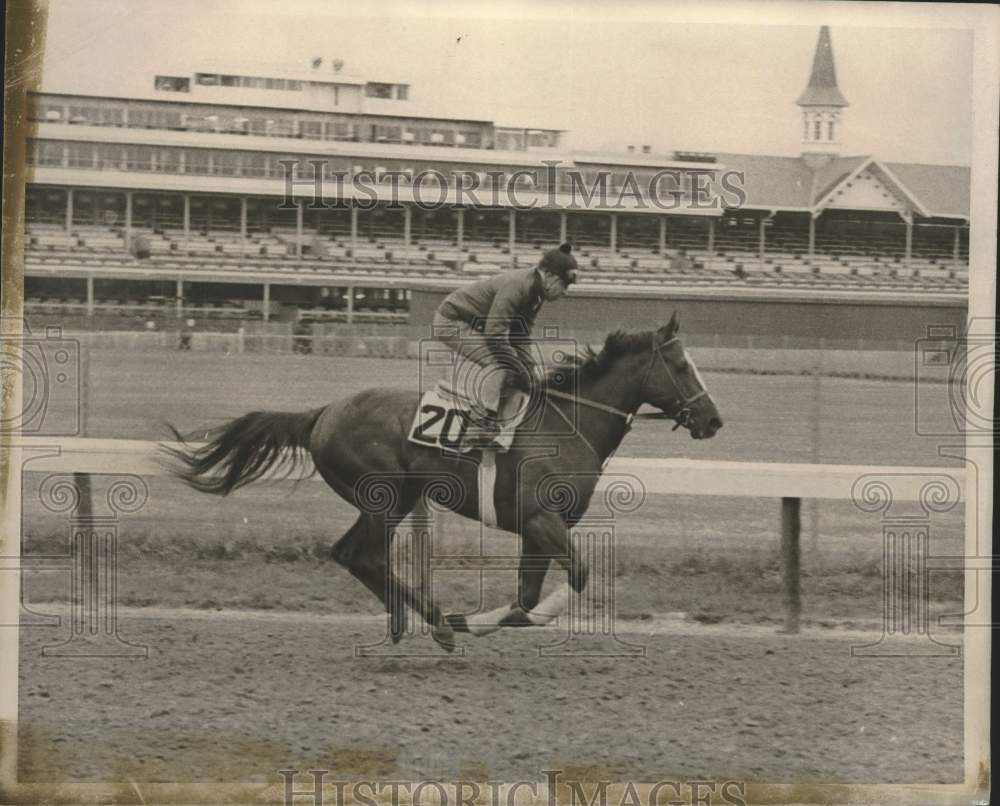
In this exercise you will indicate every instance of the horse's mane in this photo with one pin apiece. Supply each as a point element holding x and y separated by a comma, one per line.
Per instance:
<point>588,364</point>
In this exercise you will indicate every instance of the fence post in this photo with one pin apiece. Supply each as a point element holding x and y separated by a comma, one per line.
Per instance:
<point>790,529</point>
<point>85,507</point>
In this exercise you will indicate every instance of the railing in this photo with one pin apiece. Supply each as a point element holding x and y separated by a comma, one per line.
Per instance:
<point>936,488</point>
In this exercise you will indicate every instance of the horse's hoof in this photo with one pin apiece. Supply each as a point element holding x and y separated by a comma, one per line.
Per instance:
<point>457,622</point>
<point>516,618</point>
<point>445,637</point>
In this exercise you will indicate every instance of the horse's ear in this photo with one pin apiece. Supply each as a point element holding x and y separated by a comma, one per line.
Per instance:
<point>672,326</point>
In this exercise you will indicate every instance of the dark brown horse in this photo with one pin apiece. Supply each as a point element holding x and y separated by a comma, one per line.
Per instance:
<point>360,447</point>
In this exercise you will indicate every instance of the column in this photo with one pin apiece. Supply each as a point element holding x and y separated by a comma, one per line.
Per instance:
<point>511,232</point>
<point>187,220</point>
<point>763,219</point>
<point>957,248</point>
<point>407,229</point>
<point>562,227</point>
<point>128,220</point>
<point>909,241</point>
<point>460,223</point>
<point>614,233</point>
<point>69,210</point>
<point>350,304</point>
<point>90,295</point>
<point>663,234</point>
<point>243,225</point>
<point>354,236</point>
<point>267,302</point>
<point>812,235</point>
<point>298,229</point>
<point>711,235</point>
<point>179,302</point>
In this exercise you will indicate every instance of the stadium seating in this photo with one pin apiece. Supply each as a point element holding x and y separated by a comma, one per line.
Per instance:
<point>873,261</point>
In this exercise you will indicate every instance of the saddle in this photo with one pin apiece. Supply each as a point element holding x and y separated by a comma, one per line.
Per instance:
<point>445,419</point>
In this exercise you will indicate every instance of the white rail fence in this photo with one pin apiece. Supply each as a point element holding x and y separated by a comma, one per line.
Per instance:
<point>871,488</point>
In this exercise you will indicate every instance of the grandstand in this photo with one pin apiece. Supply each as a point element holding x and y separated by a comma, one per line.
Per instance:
<point>176,203</point>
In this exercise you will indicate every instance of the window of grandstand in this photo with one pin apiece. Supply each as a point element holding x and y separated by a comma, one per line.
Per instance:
<point>139,158</point>
<point>277,170</point>
<point>282,127</point>
<point>196,161</point>
<point>311,129</point>
<point>109,157</point>
<point>151,118</point>
<point>225,163</point>
<point>829,135</point>
<point>255,164</point>
<point>374,89</point>
<point>339,131</point>
<point>252,82</point>
<point>817,130</point>
<point>172,84</point>
<point>403,92</point>
<point>387,134</point>
<point>197,123</point>
<point>241,125</point>
<point>45,153</point>
<point>537,140</point>
<point>81,155</point>
<point>97,115</point>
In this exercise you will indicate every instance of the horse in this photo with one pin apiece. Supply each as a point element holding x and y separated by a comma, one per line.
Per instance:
<point>360,447</point>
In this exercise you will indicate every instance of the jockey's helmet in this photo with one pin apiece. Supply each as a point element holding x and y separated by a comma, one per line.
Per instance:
<point>561,263</point>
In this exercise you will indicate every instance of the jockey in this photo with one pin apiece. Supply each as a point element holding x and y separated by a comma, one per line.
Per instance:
<point>489,323</point>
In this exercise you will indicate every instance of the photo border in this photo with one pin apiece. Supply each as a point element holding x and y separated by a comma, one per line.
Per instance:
<point>25,29</point>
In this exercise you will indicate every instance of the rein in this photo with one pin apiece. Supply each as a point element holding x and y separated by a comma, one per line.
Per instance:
<point>681,418</point>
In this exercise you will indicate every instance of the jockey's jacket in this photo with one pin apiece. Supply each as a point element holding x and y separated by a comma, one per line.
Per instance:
<point>502,307</point>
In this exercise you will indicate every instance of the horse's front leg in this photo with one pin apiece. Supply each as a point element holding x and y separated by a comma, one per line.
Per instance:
<point>546,537</point>
<point>531,573</point>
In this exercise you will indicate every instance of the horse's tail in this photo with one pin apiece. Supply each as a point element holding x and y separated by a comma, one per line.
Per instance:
<point>243,450</point>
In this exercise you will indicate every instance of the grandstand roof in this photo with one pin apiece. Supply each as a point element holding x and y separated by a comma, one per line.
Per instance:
<point>777,182</point>
<point>835,172</point>
<point>822,89</point>
<point>788,183</point>
<point>944,189</point>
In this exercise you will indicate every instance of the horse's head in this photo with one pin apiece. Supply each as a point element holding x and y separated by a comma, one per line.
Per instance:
<point>673,385</point>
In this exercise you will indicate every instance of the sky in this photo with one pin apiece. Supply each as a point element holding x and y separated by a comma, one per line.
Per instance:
<point>613,74</point>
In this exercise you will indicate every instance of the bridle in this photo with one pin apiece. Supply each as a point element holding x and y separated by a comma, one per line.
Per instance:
<point>681,417</point>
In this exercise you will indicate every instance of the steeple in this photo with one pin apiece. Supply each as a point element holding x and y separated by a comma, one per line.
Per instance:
<point>821,104</point>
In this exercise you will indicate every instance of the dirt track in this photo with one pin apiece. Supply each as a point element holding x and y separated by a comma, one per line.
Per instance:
<point>240,696</point>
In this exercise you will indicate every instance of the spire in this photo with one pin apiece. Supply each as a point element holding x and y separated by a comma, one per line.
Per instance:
<point>822,89</point>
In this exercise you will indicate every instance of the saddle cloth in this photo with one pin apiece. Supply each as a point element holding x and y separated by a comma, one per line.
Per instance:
<point>444,416</point>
